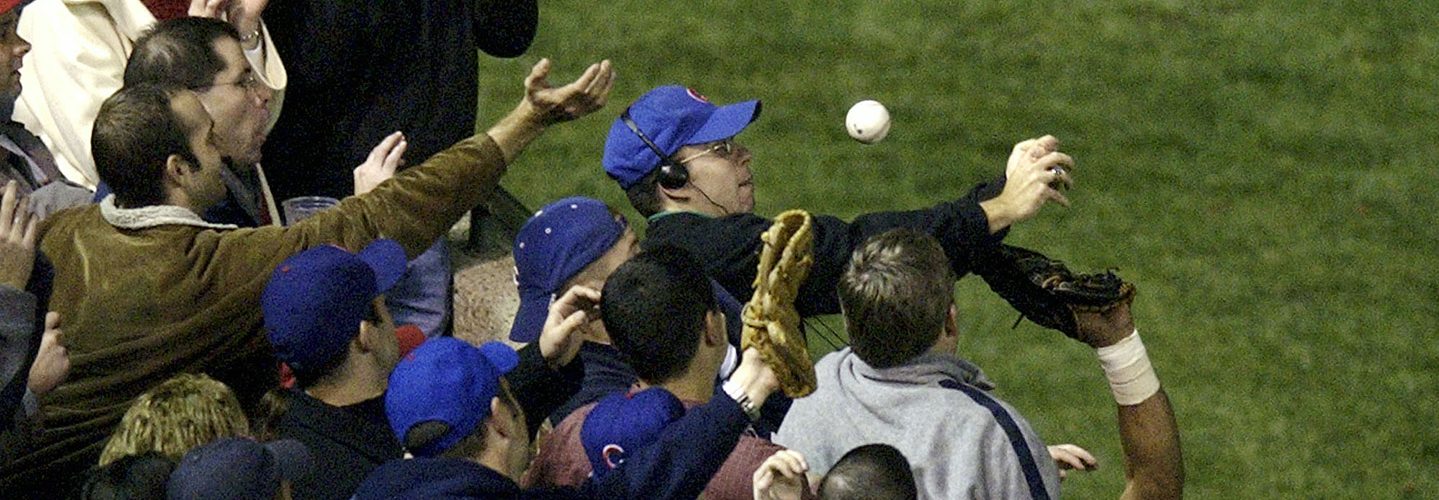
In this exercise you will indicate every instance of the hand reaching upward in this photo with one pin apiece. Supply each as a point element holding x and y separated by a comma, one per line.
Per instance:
<point>583,96</point>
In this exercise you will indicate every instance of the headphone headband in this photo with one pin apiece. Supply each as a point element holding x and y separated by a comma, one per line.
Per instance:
<point>673,175</point>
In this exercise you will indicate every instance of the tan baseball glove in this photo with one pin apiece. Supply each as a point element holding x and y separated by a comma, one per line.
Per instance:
<point>771,323</point>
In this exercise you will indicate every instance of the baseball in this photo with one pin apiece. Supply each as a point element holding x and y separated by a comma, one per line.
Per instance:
<point>867,121</point>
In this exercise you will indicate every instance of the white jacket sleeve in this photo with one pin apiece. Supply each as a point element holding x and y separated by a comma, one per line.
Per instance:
<point>76,61</point>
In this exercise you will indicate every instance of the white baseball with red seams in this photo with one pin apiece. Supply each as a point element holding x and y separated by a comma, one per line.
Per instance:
<point>867,121</point>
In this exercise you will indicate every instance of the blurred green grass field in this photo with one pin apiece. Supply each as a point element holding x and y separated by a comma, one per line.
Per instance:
<point>1257,167</point>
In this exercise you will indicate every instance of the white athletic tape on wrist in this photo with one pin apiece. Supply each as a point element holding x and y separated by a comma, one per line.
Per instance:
<point>1126,365</point>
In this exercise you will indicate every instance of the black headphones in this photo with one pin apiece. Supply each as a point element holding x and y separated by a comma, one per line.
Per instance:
<point>673,175</point>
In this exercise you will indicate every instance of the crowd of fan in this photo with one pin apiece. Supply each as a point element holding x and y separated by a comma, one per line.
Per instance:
<point>168,333</point>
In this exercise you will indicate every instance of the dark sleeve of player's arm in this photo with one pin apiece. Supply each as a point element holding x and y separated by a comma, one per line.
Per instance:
<point>540,390</point>
<point>505,28</point>
<point>960,225</point>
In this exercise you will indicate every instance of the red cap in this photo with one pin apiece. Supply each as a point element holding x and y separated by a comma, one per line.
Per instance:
<point>8,5</point>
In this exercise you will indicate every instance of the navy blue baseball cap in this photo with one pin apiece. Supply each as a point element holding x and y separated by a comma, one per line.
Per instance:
<point>552,247</point>
<point>623,423</point>
<point>672,117</point>
<point>449,381</point>
<point>317,298</point>
<point>238,468</point>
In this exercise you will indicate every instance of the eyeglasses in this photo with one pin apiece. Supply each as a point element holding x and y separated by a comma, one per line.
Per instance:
<point>723,149</point>
<point>248,82</point>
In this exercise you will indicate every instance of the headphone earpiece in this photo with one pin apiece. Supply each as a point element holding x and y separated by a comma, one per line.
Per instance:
<point>673,175</point>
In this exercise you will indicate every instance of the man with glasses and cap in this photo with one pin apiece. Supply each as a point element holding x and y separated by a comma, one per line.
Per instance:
<point>678,159</point>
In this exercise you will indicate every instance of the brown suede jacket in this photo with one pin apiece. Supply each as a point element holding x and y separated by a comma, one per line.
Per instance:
<point>149,293</point>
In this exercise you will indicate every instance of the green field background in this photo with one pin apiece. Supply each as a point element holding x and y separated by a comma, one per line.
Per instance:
<point>1266,172</point>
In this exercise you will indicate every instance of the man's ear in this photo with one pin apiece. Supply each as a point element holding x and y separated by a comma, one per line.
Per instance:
<point>501,422</point>
<point>951,322</point>
<point>177,170</point>
<point>715,332</point>
<point>365,340</point>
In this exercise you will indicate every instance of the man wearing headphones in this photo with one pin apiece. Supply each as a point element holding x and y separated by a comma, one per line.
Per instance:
<point>675,155</point>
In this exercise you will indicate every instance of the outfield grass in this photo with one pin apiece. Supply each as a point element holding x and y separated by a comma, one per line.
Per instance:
<point>1257,167</point>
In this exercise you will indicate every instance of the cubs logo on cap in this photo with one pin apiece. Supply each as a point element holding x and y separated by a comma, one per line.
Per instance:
<point>623,424</point>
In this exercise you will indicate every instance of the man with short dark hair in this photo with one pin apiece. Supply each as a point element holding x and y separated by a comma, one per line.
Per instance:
<point>204,55</point>
<point>675,155</point>
<point>149,289</point>
<point>663,318</point>
<point>901,384</point>
<point>870,472</point>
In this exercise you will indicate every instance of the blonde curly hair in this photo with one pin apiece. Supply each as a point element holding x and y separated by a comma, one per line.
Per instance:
<point>179,414</point>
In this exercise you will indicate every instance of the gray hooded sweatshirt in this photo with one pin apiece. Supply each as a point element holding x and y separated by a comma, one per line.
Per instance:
<point>936,409</point>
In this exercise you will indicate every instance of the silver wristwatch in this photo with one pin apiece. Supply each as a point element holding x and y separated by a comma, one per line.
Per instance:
<point>734,391</point>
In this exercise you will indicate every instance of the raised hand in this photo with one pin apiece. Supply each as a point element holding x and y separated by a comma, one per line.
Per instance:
<point>562,335</point>
<point>380,166</point>
<point>781,477</point>
<point>17,237</point>
<point>244,15</point>
<point>207,8</point>
<point>583,96</point>
<point>52,362</point>
<point>1033,176</point>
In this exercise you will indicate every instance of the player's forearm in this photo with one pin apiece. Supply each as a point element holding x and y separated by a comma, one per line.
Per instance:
<point>1153,462</point>
<point>999,214</point>
<point>517,129</point>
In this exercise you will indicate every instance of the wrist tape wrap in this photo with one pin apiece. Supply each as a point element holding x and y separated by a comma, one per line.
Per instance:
<point>1126,365</point>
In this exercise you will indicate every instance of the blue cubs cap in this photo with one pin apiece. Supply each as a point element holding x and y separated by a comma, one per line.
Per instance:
<point>672,117</point>
<point>239,469</point>
<point>317,298</point>
<point>623,423</point>
<point>449,381</point>
<point>552,247</point>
